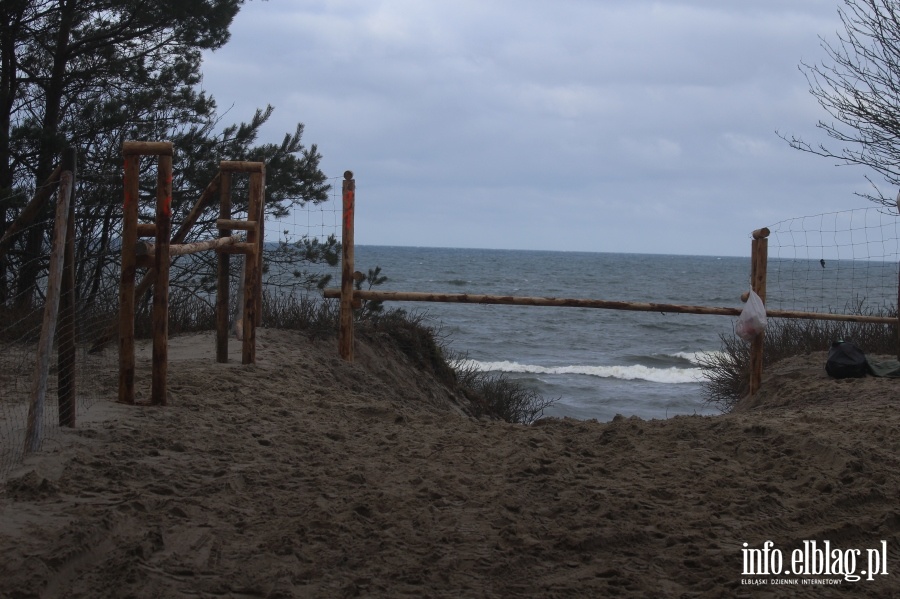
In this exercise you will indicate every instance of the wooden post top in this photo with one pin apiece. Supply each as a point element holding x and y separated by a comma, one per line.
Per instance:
<point>761,233</point>
<point>240,166</point>
<point>148,148</point>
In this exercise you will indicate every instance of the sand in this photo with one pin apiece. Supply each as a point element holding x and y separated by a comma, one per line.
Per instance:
<point>305,476</point>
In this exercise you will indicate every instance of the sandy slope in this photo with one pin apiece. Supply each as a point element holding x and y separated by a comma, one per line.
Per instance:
<point>304,476</point>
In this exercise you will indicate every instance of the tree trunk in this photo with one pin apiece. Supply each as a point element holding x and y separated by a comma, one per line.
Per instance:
<point>48,151</point>
<point>102,255</point>
<point>10,20</point>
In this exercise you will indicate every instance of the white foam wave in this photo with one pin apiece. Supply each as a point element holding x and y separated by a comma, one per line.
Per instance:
<point>695,357</point>
<point>628,373</point>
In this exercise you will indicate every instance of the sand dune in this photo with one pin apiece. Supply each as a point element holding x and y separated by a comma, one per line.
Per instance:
<point>304,476</point>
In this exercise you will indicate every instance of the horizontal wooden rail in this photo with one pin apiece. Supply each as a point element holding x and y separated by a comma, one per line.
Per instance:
<point>240,166</point>
<point>146,230</point>
<point>464,298</point>
<point>244,247</point>
<point>829,316</point>
<point>241,225</point>
<point>148,148</point>
<point>145,248</point>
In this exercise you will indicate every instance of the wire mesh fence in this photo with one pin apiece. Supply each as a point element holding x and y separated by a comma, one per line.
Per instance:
<point>24,288</point>
<point>838,262</point>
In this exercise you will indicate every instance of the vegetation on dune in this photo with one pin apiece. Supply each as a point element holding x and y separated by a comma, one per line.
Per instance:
<point>489,395</point>
<point>727,373</point>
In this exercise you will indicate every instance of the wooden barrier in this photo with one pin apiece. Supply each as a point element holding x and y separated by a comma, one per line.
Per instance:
<point>242,225</point>
<point>145,248</point>
<point>157,255</point>
<point>149,230</point>
<point>146,230</point>
<point>148,148</point>
<point>759,253</point>
<point>223,270</point>
<point>239,166</point>
<point>34,426</point>
<point>345,341</point>
<point>129,270</point>
<point>512,300</point>
<point>758,261</point>
<point>252,250</point>
<point>161,285</point>
<point>253,270</point>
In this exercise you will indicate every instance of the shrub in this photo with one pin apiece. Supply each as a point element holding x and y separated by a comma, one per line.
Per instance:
<point>422,344</point>
<point>312,314</point>
<point>727,373</point>
<point>490,395</point>
<point>497,396</point>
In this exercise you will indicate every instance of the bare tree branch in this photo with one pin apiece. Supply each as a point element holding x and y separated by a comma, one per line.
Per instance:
<point>860,90</point>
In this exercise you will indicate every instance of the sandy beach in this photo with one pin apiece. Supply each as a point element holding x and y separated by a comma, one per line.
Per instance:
<point>305,476</point>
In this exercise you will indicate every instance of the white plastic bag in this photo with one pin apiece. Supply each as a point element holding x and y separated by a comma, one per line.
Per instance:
<point>752,320</point>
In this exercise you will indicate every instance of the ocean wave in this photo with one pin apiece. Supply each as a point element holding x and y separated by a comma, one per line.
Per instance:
<point>628,373</point>
<point>677,359</point>
<point>695,357</point>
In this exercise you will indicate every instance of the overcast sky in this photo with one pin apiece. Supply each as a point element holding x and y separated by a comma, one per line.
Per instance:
<point>596,125</point>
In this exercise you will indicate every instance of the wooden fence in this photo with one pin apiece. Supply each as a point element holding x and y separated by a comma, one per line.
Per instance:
<point>351,298</point>
<point>156,256</point>
<point>58,322</point>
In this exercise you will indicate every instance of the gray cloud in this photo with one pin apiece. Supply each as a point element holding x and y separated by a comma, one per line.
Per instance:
<point>606,126</point>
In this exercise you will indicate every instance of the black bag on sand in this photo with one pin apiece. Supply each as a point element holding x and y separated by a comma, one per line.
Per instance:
<point>845,360</point>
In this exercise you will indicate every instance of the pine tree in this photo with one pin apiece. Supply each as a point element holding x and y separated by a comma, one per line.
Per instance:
<point>93,73</point>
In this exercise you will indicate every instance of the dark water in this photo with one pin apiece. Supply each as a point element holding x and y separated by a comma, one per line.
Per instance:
<point>603,362</point>
<point>598,362</point>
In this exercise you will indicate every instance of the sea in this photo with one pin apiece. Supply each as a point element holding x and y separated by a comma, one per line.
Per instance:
<point>594,363</point>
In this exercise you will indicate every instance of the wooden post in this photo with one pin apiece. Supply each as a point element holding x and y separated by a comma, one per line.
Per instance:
<point>759,253</point>
<point>66,327</point>
<point>161,285</point>
<point>251,271</point>
<point>248,346</point>
<point>126,284</point>
<point>259,187</point>
<point>345,342</point>
<point>34,431</point>
<point>223,290</point>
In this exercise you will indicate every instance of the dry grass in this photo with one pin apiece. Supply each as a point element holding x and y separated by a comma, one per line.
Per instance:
<point>728,372</point>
